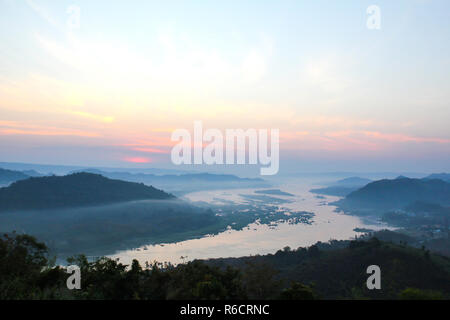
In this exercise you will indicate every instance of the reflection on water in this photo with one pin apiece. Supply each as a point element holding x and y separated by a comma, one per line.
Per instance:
<point>256,238</point>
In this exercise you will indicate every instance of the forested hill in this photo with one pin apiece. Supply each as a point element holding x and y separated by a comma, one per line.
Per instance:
<point>337,269</point>
<point>79,189</point>
<point>392,194</point>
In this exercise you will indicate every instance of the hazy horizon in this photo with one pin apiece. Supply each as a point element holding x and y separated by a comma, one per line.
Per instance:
<point>239,170</point>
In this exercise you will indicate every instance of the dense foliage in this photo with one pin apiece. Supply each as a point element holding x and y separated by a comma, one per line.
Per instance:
<point>337,269</point>
<point>325,270</point>
<point>27,273</point>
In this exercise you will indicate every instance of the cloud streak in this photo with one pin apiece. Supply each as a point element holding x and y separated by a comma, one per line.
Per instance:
<point>96,117</point>
<point>20,128</point>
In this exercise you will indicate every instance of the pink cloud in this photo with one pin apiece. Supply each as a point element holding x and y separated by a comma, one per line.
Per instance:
<point>138,160</point>
<point>150,150</point>
<point>396,137</point>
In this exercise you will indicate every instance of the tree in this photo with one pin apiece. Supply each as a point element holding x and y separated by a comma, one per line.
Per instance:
<point>417,294</point>
<point>25,269</point>
<point>260,281</point>
<point>298,291</point>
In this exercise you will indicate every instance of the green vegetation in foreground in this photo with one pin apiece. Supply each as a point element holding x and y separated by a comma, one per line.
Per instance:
<point>325,270</point>
<point>337,269</point>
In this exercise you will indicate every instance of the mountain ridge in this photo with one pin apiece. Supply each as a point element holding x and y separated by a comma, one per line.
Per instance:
<point>8,176</point>
<point>395,194</point>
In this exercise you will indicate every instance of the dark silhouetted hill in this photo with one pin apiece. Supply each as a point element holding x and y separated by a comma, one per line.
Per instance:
<point>167,178</point>
<point>396,194</point>
<point>79,189</point>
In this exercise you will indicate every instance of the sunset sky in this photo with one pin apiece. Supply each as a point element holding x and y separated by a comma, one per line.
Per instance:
<point>110,90</point>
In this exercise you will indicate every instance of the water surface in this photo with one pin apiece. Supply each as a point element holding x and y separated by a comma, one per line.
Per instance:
<point>257,238</point>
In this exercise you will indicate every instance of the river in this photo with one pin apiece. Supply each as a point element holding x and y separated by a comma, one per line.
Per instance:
<point>256,238</point>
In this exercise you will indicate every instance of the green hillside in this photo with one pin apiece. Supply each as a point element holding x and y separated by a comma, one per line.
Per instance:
<point>75,190</point>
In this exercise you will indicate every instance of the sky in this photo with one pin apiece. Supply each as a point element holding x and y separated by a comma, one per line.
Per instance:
<point>105,83</point>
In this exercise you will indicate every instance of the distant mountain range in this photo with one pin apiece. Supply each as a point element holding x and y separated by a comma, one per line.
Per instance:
<point>441,176</point>
<point>49,169</point>
<point>9,176</point>
<point>182,183</point>
<point>167,178</point>
<point>175,183</point>
<point>343,187</point>
<point>334,191</point>
<point>386,194</point>
<point>74,190</point>
<point>353,182</point>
